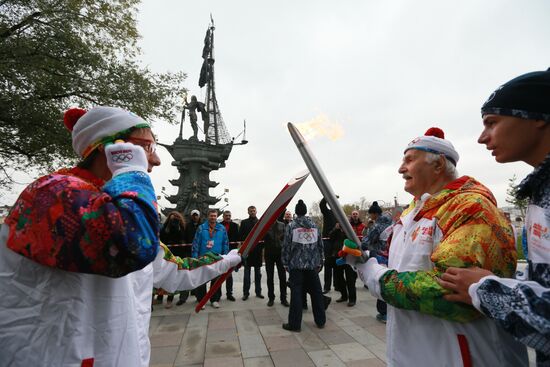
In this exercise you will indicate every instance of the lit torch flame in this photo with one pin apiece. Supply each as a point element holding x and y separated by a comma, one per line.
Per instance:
<point>320,126</point>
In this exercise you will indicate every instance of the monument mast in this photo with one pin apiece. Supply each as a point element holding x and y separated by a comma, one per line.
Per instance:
<point>195,159</point>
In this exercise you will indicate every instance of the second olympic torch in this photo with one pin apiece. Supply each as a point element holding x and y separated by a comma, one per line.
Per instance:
<point>322,183</point>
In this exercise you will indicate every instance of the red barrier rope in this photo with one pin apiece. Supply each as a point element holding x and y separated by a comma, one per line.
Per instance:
<point>232,243</point>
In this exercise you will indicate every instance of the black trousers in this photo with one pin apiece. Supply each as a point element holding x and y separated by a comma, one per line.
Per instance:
<point>257,280</point>
<point>330,266</point>
<point>270,263</point>
<point>307,280</point>
<point>346,277</point>
<point>229,285</point>
<point>200,292</point>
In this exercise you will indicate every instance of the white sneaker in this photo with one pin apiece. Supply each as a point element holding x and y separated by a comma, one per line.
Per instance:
<point>216,304</point>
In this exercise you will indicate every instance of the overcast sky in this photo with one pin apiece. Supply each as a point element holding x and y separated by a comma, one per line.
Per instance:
<point>385,71</point>
<point>379,72</point>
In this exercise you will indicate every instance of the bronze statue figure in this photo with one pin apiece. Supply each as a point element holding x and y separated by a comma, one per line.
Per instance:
<point>193,107</point>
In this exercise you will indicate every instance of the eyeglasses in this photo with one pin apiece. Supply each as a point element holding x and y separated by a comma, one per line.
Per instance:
<point>150,146</point>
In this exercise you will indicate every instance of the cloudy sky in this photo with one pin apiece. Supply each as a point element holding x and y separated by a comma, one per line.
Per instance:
<point>383,70</point>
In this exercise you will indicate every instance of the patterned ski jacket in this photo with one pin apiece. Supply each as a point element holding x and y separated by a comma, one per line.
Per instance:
<point>78,261</point>
<point>458,226</point>
<point>522,307</point>
<point>303,246</point>
<point>372,241</point>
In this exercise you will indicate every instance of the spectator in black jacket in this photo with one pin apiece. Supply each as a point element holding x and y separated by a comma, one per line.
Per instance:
<point>172,233</point>
<point>232,229</point>
<point>190,231</point>
<point>344,275</point>
<point>272,251</point>
<point>329,221</point>
<point>254,258</point>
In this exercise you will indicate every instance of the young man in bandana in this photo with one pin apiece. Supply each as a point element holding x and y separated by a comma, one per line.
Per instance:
<point>79,252</point>
<point>516,127</point>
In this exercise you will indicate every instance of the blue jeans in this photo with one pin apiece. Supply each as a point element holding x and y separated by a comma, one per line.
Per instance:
<point>257,280</point>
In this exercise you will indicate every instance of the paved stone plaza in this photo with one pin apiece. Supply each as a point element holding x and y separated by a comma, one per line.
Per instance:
<point>248,333</point>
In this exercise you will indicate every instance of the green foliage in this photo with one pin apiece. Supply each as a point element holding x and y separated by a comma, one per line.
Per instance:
<point>58,54</point>
<point>519,247</point>
<point>512,199</point>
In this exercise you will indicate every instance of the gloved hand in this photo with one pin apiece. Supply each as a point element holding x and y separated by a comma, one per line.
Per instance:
<point>125,157</point>
<point>233,257</point>
<point>370,274</point>
<point>351,254</point>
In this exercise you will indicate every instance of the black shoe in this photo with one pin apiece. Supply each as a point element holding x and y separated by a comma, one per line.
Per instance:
<point>270,303</point>
<point>230,298</point>
<point>351,304</point>
<point>245,298</point>
<point>327,301</point>
<point>341,299</point>
<point>180,302</point>
<point>320,326</point>
<point>260,296</point>
<point>284,302</point>
<point>326,291</point>
<point>289,328</point>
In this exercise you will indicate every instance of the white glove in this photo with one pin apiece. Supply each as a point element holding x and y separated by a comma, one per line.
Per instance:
<point>370,273</point>
<point>233,257</point>
<point>125,157</point>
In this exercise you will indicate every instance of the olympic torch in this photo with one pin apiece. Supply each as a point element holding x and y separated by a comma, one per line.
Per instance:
<point>322,183</point>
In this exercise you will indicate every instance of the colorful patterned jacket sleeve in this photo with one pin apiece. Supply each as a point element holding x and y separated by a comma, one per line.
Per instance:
<point>67,222</point>
<point>474,234</point>
<point>173,273</point>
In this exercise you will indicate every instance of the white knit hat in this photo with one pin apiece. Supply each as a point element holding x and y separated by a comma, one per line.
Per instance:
<point>434,141</point>
<point>99,125</point>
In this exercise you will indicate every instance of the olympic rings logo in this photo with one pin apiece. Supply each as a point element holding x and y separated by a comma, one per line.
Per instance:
<point>307,236</point>
<point>122,157</point>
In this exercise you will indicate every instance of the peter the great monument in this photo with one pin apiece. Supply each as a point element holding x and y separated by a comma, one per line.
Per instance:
<point>195,158</point>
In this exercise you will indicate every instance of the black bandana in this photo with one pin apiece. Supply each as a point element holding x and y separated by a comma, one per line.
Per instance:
<point>527,96</point>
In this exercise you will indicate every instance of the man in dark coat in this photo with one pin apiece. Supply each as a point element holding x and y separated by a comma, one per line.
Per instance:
<point>329,221</point>
<point>272,252</point>
<point>191,226</point>
<point>189,234</point>
<point>254,259</point>
<point>232,229</point>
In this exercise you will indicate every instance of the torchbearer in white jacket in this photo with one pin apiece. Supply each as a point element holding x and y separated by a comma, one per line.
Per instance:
<point>80,254</point>
<point>452,221</point>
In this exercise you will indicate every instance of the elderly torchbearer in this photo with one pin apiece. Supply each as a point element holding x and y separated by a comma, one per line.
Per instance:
<point>452,221</point>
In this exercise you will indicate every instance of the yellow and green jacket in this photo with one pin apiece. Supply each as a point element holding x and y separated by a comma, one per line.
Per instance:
<point>459,226</point>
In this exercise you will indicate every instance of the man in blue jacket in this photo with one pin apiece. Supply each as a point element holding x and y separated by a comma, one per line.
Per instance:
<point>211,236</point>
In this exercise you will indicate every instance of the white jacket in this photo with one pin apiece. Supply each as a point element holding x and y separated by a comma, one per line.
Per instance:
<point>51,317</point>
<point>421,339</point>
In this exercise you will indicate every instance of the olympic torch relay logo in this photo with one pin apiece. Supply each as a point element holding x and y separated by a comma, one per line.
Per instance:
<point>121,156</point>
